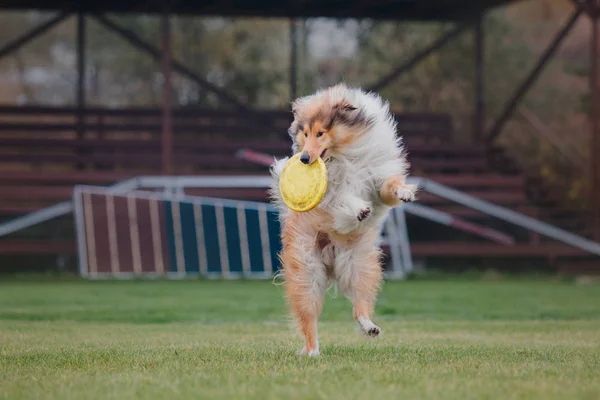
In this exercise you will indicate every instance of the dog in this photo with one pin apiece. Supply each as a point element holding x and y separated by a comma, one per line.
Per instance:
<point>355,134</point>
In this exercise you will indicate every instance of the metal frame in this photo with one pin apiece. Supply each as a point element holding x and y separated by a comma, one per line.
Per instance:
<point>139,43</point>
<point>531,78</point>
<point>176,185</point>
<point>57,210</point>
<point>395,230</point>
<point>510,216</point>
<point>417,209</point>
<point>22,40</point>
<point>418,57</point>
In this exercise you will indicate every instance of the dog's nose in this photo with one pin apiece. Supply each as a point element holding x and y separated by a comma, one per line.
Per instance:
<point>305,158</point>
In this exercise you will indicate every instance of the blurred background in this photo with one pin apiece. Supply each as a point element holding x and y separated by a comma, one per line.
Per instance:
<point>494,99</point>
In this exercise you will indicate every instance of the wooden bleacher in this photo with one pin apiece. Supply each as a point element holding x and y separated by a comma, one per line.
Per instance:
<point>44,151</point>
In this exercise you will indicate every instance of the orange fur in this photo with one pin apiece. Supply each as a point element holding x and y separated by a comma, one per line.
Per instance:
<point>304,301</point>
<point>368,284</point>
<point>305,304</point>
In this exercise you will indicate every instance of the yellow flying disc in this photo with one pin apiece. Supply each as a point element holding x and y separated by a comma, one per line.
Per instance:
<point>303,186</point>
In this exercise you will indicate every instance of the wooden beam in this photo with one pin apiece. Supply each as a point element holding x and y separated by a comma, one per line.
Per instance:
<point>595,117</point>
<point>80,93</point>
<point>81,26</point>
<point>518,95</point>
<point>587,6</point>
<point>479,122</point>
<point>32,34</point>
<point>141,44</point>
<point>417,58</point>
<point>293,60</point>
<point>166,120</point>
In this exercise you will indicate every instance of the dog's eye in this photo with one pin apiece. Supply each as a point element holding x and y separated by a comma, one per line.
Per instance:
<point>305,134</point>
<point>319,134</point>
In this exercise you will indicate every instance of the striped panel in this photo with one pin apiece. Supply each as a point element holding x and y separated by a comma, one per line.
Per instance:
<point>274,238</point>
<point>123,235</point>
<point>150,257</point>
<point>254,241</point>
<point>170,236</point>
<point>233,240</point>
<point>188,235</point>
<point>211,240</point>
<point>200,244</point>
<point>89,234</point>
<point>100,222</point>
<point>127,234</point>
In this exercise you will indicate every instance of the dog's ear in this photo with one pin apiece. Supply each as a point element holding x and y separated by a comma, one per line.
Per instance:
<point>344,106</point>
<point>349,115</point>
<point>347,107</point>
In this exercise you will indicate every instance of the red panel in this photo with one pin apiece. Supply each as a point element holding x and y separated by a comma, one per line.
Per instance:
<point>123,234</point>
<point>100,235</point>
<point>145,229</point>
<point>163,236</point>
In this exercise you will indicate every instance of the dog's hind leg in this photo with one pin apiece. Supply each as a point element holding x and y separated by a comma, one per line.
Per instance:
<point>305,284</point>
<point>359,275</point>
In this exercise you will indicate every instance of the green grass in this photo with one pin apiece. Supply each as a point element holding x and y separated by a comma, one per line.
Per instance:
<point>232,340</point>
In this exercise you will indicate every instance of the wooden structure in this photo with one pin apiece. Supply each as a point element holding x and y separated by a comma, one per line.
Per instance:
<point>89,145</point>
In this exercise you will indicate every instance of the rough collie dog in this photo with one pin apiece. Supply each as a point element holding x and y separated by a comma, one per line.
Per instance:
<point>355,134</point>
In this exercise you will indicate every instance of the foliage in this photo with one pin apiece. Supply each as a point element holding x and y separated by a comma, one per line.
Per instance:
<point>249,58</point>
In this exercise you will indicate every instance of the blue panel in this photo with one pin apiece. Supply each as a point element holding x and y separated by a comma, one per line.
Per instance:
<point>233,239</point>
<point>254,244</point>
<point>274,238</point>
<point>170,234</point>
<point>190,241</point>
<point>209,220</point>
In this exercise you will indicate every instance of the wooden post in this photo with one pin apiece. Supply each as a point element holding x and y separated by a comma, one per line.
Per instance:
<point>80,94</point>
<point>293,60</point>
<point>595,116</point>
<point>166,120</point>
<point>479,118</point>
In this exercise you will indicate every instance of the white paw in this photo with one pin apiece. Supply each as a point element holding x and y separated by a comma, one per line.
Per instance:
<point>312,353</point>
<point>406,193</point>
<point>363,214</point>
<point>348,216</point>
<point>368,328</point>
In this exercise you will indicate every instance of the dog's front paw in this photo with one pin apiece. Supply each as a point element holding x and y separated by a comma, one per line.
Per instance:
<point>406,193</point>
<point>368,328</point>
<point>363,214</point>
<point>308,353</point>
<point>348,216</point>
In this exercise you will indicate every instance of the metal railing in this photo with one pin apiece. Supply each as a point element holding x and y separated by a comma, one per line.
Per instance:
<point>176,185</point>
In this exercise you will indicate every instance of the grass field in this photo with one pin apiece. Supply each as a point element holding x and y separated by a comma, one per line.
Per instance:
<point>454,339</point>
